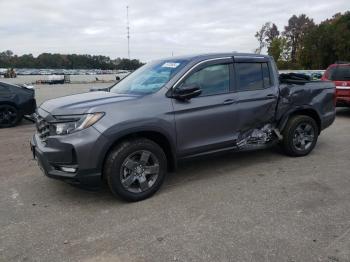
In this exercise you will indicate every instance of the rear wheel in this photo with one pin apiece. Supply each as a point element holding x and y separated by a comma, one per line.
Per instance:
<point>135,169</point>
<point>300,135</point>
<point>9,116</point>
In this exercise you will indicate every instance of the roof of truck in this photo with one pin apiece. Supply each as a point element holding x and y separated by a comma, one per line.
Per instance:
<point>215,55</point>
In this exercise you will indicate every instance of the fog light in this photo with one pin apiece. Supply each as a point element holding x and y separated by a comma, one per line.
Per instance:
<point>68,169</point>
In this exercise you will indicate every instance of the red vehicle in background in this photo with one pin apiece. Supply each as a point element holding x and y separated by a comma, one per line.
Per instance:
<point>339,73</point>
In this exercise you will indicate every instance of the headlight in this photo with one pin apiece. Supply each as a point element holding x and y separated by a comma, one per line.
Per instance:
<point>68,124</point>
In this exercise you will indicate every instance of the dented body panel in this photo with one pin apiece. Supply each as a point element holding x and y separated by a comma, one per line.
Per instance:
<point>315,96</point>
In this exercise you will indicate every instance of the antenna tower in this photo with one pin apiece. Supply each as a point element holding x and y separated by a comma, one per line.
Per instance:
<point>128,30</point>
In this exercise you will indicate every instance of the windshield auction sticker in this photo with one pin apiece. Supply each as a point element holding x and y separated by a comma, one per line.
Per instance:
<point>170,65</point>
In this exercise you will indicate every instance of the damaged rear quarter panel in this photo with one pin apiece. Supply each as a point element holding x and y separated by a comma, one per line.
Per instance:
<point>315,96</point>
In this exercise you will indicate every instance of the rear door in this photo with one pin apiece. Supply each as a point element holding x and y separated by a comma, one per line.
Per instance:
<point>206,122</point>
<point>256,92</point>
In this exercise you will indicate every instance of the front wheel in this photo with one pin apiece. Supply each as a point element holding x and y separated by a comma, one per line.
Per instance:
<point>135,169</point>
<point>300,135</point>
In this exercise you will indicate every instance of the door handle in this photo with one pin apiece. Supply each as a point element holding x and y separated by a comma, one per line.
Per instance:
<point>229,101</point>
<point>271,96</point>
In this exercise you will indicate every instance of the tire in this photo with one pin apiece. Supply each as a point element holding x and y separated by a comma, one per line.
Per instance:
<point>135,169</point>
<point>300,136</point>
<point>9,116</point>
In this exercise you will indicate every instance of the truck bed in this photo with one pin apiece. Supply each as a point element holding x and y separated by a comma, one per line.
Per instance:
<point>315,96</point>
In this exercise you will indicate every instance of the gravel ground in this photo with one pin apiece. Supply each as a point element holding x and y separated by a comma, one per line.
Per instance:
<point>256,206</point>
<point>45,92</point>
<point>28,79</point>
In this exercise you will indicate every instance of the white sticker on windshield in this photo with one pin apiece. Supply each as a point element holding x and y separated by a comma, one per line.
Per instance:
<point>171,65</point>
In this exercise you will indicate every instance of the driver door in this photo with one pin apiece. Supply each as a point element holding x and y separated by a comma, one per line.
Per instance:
<point>206,123</point>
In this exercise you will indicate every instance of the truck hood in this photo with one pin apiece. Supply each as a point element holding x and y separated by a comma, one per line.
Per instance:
<point>81,103</point>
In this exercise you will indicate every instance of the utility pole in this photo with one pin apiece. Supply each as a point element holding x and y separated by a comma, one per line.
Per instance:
<point>128,30</point>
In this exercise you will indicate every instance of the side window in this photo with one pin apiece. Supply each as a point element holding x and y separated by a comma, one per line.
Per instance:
<point>252,76</point>
<point>214,79</point>
<point>266,75</point>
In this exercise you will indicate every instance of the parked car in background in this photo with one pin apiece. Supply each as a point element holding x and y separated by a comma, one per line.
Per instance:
<point>175,109</point>
<point>2,71</point>
<point>339,73</point>
<point>15,103</point>
<point>316,75</point>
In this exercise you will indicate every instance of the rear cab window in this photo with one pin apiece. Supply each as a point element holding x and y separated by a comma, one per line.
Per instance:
<point>252,76</point>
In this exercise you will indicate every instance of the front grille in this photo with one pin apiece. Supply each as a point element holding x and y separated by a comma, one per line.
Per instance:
<point>42,127</point>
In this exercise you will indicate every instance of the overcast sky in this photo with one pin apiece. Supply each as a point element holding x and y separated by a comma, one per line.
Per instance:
<point>157,27</point>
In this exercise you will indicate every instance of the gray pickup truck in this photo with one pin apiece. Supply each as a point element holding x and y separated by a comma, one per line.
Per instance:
<point>168,110</point>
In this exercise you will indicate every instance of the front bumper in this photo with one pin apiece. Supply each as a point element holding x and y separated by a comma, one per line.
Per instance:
<point>78,151</point>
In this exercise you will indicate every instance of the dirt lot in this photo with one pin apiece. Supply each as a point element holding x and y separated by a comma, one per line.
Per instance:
<point>256,206</point>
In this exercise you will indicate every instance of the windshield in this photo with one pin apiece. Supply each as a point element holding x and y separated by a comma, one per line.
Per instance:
<point>149,78</point>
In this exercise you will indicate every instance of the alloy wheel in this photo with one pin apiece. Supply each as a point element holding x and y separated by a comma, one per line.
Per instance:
<point>304,136</point>
<point>139,171</point>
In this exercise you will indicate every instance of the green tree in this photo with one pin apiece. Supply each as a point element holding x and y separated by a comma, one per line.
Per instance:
<point>272,33</point>
<point>60,61</point>
<point>261,36</point>
<point>25,61</point>
<point>266,35</point>
<point>6,58</point>
<point>341,35</point>
<point>297,27</point>
<point>306,45</point>
<point>326,43</point>
<point>275,48</point>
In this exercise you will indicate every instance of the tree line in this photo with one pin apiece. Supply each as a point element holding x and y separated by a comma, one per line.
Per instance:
<point>303,44</point>
<point>60,61</point>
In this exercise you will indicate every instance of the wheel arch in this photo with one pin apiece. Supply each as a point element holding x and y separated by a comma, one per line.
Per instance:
<point>9,103</point>
<point>156,136</point>
<point>307,111</point>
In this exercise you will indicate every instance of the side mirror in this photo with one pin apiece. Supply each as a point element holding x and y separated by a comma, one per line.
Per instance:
<point>186,92</point>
